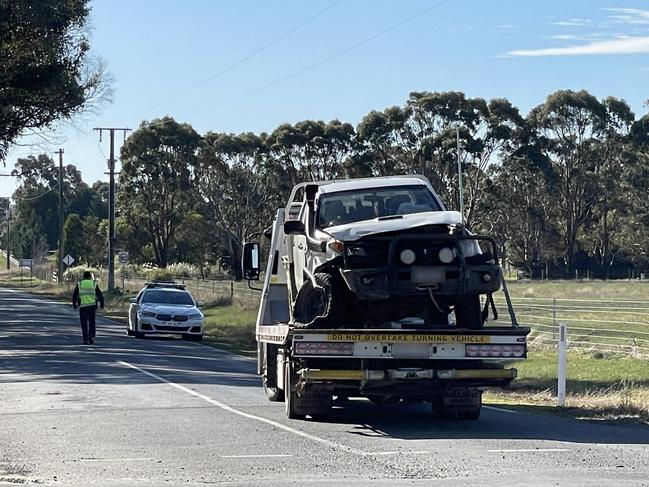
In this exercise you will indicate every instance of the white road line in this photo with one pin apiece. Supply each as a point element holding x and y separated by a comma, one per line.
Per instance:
<point>493,408</point>
<point>230,409</point>
<point>255,456</point>
<point>381,453</point>
<point>115,459</point>
<point>530,450</point>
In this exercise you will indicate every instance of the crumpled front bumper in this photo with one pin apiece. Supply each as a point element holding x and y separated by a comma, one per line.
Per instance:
<point>384,283</point>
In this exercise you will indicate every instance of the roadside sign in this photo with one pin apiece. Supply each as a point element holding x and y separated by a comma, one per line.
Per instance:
<point>25,262</point>
<point>68,260</point>
<point>122,257</point>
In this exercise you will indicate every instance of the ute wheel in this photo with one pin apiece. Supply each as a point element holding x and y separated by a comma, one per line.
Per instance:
<point>290,396</point>
<point>468,313</point>
<point>322,306</point>
<point>274,394</point>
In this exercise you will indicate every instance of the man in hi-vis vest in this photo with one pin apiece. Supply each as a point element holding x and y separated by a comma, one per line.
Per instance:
<point>86,294</point>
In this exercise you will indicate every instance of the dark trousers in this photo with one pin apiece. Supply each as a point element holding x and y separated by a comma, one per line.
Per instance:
<point>87,317</point>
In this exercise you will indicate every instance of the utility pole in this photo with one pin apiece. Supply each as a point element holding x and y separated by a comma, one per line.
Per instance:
<point>111,201</point>
<point>61,218</point>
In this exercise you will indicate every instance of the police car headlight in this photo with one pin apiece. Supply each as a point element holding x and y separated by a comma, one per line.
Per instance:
<point>195,316</point>
<point>146,314</point>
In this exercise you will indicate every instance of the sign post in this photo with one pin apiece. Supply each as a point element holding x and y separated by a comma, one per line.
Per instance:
<point>561,372</point>
<point>122,258</point>
<point>25,263</point>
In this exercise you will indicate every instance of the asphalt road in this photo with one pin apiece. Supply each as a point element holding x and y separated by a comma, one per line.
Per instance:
<point>169,412</point>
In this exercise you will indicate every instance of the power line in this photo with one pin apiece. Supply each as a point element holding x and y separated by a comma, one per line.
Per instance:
<point>312,66</point>
<point>240,61</point>
<point>36,197</point>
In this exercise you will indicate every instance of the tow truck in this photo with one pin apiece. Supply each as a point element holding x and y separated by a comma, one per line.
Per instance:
<point>395,341</point>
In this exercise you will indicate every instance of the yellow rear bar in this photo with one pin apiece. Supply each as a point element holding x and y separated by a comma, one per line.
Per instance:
<point>477,374</point>
<point>325,374</point>
<point>319,374</point>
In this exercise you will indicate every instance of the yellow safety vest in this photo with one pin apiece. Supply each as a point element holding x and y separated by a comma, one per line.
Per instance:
<point>87,293</point>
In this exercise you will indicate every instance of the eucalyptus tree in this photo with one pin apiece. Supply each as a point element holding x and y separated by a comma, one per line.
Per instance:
<point>46,70</point>
<point>157,180</point>
<point>311,150</point>
<point>234,188</point>
<point>578,136</point>
<point>485,130</point>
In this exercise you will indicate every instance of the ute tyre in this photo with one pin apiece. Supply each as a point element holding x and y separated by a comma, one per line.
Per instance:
<point>290,396</point>
<point>324,306</point>
<point>468,313</point>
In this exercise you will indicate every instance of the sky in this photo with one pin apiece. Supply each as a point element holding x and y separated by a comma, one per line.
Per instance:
<point>226,66</point>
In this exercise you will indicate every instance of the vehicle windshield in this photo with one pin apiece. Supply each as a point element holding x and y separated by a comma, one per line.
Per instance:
<point>158,296</point>
<point>366,204</point>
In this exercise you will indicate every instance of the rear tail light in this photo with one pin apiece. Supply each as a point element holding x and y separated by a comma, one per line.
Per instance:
<point>323,348</point>
<point>495,350</point>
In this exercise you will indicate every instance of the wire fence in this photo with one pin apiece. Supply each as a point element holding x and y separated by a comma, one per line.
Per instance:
<point>599,325</point>
<point>207,290</point>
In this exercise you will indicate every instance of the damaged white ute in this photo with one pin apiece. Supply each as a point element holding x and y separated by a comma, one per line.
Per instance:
<point>379,250</point>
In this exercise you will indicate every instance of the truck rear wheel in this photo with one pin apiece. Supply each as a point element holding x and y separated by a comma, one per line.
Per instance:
<point>323,306</point>
<point>468,412</point>
<point>291,399</point>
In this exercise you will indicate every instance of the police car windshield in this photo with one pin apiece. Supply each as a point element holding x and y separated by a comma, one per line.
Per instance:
<point>159,296</point>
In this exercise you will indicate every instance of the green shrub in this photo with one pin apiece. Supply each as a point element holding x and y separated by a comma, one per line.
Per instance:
<point>183,269</point>
<point>159,275</point>
<point>75,274</point>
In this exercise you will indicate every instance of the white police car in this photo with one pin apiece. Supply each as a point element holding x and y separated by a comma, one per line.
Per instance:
<point>165,308</point>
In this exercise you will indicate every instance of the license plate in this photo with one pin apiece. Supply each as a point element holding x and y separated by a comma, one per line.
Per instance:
<point>427,275</point>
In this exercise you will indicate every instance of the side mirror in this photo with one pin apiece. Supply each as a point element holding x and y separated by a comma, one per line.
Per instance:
<point>250,261</point>
<point>133,300</point>
<point>294,227</point>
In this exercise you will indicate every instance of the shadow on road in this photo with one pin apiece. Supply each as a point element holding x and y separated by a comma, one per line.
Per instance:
<point>414,422</point>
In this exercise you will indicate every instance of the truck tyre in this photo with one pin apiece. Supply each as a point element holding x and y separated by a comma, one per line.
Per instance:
<point>323,306</point>
<point>437,408</point>
<point>468,313</point>
<point>440,411</point>
<point>291,398</point>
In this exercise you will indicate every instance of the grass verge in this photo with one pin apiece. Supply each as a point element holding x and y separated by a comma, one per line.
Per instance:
<point>600,386</point>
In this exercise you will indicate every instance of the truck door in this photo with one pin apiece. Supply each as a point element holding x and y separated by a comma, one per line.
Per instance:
<point>300,250</point>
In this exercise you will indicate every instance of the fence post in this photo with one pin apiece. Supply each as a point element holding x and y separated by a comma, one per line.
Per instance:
<point>554,317</point>
<point>231,290</point>
<point>561,373</point>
